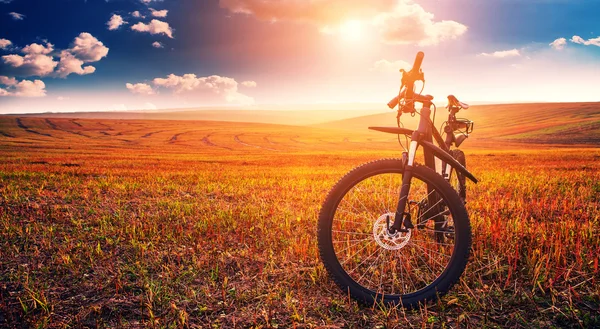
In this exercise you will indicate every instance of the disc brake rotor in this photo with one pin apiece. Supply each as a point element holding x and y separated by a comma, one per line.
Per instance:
<point>386,240</point>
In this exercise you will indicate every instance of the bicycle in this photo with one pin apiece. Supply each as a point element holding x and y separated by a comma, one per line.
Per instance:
<point>395,231</point>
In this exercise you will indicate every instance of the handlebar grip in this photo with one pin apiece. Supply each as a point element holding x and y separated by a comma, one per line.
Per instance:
<point>393,103</point>
<point>418,61</point>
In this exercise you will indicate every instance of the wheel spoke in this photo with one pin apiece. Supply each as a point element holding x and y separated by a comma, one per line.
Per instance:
<point>356,253</point>
<point>426,211</point>
<point>346,241</point>
<point>386,264</point>
<point>348,232</point>
<point>356,244</point>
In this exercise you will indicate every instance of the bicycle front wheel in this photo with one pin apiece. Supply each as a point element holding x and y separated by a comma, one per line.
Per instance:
<point>406,268</point>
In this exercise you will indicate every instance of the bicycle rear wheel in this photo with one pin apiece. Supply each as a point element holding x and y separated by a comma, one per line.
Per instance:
<point>406,268</point>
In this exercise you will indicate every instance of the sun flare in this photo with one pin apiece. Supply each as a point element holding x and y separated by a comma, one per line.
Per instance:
<point>351,30</point>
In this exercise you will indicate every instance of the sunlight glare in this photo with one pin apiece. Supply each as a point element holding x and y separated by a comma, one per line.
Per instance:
<point>351,30</point>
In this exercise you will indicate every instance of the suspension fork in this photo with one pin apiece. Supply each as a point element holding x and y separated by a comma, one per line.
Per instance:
<point>423,132</point>
<point>446,168</point>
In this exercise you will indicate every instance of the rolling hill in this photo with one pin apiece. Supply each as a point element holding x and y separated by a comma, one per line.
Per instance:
<point>298,115</point>
<point>541,123</point>
<point>496,126</point>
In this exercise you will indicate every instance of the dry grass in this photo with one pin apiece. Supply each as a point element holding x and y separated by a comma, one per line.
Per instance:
<point>206,224</point>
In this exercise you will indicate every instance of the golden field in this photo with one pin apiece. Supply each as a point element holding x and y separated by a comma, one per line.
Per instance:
<point>114,222</point>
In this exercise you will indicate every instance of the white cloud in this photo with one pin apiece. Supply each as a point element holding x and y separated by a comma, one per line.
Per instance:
<point>87,48</point>
<point>321,13</point>
<point>70,64</point>
<point>13,60</point>
<point>212,89</point>
<point>591,42</point>
<point>31,64</point>
<point>409,23</point>
<point>399,21</point>
<point>140,88</point>
<point>385,66</point>
<point>137,14</point>
<point>577,39</point>
<point>187,82</point>
<point>25,88</point>
<point>5,43</point>
<point>7,81</point>
<point>35,48</point>
<point>249,84</point>
<point>147,2</point>
<point>115,22</point>
<point>157,44</point>
<point>502,54</point>
<point>39,59</point>
<point>16,16</point>
<point>559,44</point>
<point>154,27</point>
<point>159,13</point>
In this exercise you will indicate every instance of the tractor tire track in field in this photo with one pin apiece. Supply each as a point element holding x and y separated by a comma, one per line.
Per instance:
<point>21,125</point>
<point>152,133</point>
<point>55,127</point>
<point>293,147</point>
<point>293,139</point>
<point>105,125</point>
<point>237,139</point>
<point>206,140</point>
<point>76,123</point>
<point>109,128</point>
<point>121,133</point>
<point>6,134</point>
<point>266,138</point>
<point>52,124</point>
<point>174,137</point>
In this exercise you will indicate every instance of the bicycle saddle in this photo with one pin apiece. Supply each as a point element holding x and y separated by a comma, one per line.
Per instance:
<point>453,101</point>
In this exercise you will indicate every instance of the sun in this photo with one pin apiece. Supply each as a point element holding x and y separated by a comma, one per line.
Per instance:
<point>351,30</point>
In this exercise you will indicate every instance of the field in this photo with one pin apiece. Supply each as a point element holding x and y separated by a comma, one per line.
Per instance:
<point>112,222</point>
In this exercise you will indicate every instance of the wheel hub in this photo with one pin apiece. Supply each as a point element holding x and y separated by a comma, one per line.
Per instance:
<point>387,240</point>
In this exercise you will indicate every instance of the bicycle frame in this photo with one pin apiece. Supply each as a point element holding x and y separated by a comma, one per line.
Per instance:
<point>440,152</point>
<point>423,136</point>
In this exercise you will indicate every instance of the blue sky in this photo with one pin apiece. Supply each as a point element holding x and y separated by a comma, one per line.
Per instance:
<point>254,52</point>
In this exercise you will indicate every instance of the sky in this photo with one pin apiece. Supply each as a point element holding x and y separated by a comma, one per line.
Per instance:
<point>107,55</point>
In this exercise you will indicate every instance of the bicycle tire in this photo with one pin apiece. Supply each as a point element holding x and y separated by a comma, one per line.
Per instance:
<point>426,287</point>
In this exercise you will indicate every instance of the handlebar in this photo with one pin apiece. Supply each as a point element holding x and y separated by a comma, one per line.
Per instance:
<point>408,81</point>
<point>418,61</point>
